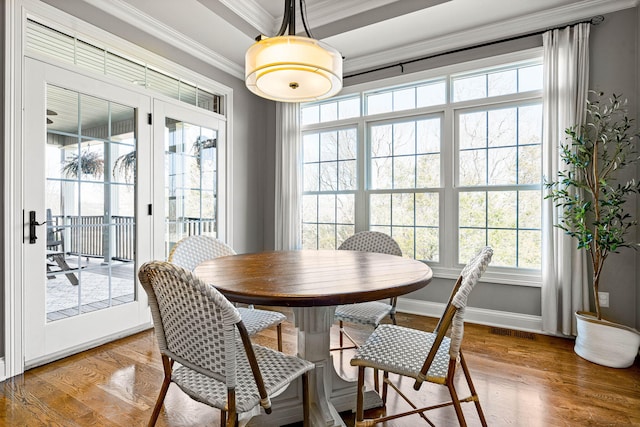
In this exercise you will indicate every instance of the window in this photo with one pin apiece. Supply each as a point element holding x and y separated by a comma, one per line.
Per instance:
<point>404,179</point>
<point>444,165</point>
<point>499,183</point>
<point>329,187</point>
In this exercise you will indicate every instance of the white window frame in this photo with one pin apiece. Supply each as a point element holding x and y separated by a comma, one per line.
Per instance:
<point>447,267</point>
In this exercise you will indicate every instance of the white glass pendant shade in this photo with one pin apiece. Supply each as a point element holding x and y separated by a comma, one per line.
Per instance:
<point>293,69</point>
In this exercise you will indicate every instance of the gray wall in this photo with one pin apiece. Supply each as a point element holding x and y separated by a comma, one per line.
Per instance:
<point>613,58</point>
<point>614,67</point>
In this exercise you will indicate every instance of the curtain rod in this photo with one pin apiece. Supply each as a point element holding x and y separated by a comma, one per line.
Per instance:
<point>596,20</point>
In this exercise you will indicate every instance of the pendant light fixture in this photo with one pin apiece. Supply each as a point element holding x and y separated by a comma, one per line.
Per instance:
<point>290,68</point>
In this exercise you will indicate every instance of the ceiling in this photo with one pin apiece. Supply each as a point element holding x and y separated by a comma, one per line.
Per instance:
<point>368,33</point>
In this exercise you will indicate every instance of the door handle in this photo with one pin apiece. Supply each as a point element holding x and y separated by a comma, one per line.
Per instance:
<point>32,226</point>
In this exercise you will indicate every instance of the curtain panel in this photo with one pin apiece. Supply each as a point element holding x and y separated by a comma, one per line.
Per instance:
<point>288,191</point>
<point>564,267</point>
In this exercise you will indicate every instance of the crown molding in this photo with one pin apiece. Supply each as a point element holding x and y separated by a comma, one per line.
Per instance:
<point>328,11</point>
<point>318,14</point>
<point>513,27</point>
<point>136,18</point>
<point>254,14</point>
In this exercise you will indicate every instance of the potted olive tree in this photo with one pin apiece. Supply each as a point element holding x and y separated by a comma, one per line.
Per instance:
<point>593,199</point>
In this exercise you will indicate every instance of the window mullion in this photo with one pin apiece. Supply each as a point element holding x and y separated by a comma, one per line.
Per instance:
<point>361,197</point>
<point>448,196</point>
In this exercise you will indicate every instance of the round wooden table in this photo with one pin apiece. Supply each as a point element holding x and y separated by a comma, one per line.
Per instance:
<point>313,283</point>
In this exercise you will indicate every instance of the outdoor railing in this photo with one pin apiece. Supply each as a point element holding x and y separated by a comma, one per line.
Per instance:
<point>85,235</point>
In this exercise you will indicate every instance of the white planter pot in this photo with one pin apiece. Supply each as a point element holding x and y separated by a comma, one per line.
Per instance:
<point>605,343</point>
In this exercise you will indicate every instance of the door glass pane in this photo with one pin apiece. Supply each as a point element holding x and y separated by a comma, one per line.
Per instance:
<point>191,160</point>
<point>90,194</point>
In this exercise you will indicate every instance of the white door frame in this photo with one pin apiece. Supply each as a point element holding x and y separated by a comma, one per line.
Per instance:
<point>16,14</point>
<point>53,340</point>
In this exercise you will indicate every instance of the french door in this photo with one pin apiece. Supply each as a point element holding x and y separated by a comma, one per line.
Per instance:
<point>189,175</point>
<point>87,219</point>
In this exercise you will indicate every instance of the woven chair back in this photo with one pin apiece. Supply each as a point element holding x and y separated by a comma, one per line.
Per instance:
<point>194,323</point>
<point>193,250</point>
<point>371,241</point>
<point>470,276</point>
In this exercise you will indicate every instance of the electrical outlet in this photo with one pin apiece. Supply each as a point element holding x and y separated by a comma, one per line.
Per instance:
<point>604,299</point>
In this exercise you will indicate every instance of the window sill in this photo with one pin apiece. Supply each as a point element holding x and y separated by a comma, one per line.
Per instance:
<point>503,276</point>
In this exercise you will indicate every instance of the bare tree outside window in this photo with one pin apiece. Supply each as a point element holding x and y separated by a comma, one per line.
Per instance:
<point>444,166</point>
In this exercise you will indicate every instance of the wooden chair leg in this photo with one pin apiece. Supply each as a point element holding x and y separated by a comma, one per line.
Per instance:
<point>342,335</point>
<point>232,420</point>
<point>360,396</point>
<point>279,332</point>
<point>306,400</point>
<point>167,365</point>
<point>223,418</point>
<point>451,374</point>
<point>474,394</point>
<point>232,415</point>
<point>456,402</point>
<point>385,387</point>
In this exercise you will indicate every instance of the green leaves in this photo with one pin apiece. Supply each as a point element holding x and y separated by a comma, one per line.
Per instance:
<point>588,192</point>
<point>86,163</point>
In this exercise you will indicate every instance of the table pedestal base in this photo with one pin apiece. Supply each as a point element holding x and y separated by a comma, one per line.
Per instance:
<point>329,392</point>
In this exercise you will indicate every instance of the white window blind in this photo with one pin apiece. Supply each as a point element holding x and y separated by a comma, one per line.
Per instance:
<point>43,41</point>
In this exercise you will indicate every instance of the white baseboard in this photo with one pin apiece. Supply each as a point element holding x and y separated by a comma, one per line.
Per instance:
<point>3,373</point>
<point>85,346</point>
<point>482,316</point>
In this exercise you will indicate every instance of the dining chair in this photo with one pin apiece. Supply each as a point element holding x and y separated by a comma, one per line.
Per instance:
<point>193,250</point>
<point>196,326</point>
<point>423,356</point>
<point>366,313</point>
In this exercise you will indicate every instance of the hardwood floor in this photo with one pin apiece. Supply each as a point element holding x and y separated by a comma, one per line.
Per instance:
<point>523,379</point>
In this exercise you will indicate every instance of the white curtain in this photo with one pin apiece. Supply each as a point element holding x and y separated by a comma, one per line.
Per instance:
<point>288,192</point>
<point>564,273</point>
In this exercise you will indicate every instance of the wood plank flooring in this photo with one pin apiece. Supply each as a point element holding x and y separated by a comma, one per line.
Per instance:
<point>523,380</point>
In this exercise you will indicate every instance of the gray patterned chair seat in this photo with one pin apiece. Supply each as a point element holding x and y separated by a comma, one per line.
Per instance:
<point>258,320</point>
<point>401,350</point>
<point>363,313</point>
<point>278,371</point>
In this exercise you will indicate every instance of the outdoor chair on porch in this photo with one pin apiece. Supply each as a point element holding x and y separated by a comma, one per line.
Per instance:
<point>192,250</point>
<point>423,356</point>
<point>55,252</point>
<point>199,328</point>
